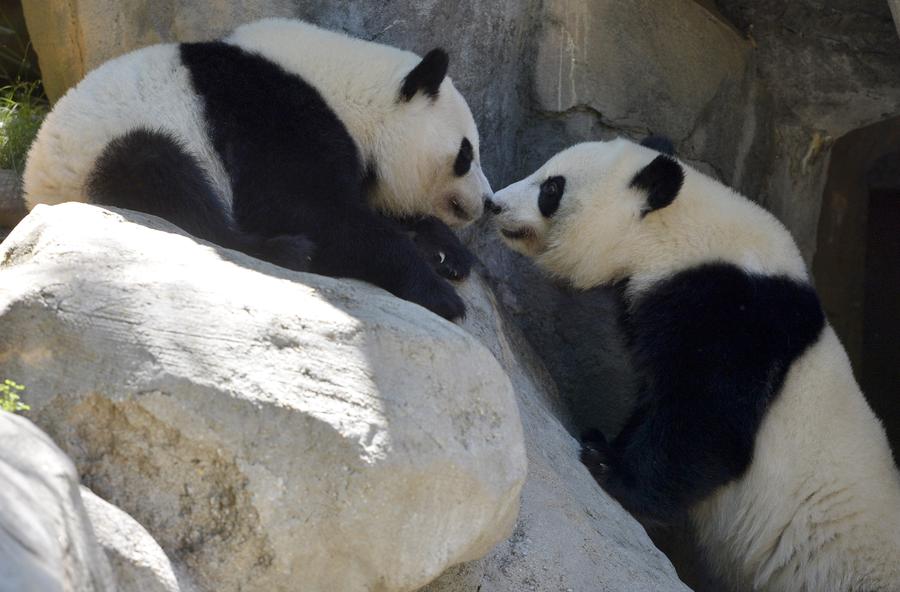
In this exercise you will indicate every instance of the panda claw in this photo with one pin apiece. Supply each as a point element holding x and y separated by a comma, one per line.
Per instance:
<point>595,461</point>
<point>447,256</point>
<point>595,454</point>
<point>292,252</point>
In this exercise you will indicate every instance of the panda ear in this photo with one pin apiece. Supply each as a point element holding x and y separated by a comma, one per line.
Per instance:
<point>659,143</point>
<point>426,76</point>
<point>662,180</point>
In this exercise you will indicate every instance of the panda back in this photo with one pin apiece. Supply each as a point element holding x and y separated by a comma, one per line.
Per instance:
<point>145,89</point>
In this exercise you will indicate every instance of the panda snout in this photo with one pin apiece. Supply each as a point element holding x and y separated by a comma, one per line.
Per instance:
<point>491,206</point>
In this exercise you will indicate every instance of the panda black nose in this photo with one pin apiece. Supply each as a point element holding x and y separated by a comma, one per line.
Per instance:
<point>491,207</point>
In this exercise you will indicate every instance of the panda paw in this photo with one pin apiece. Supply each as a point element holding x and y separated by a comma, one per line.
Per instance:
<point>436,295</point>
<point>441,248</point>
<point>291,251</point>
<point>596,454</point>
<point>453,262</point>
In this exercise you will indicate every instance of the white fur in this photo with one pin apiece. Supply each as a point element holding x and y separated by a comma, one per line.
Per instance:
<point>819,508</point>
<point>414,143</point>
<point>145,88</point>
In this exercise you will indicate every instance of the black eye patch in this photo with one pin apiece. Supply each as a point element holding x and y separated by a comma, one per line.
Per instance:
<point>551,192</point>
<point>463,158</point>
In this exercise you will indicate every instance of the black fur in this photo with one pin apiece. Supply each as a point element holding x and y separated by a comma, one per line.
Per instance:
<point>550,195</point>
<point>662,180</point>
<point>150,171</point>
<point>294,169</point>
<point>463,162</point>
<point>713,344</point>
<point>441,247</point>
<point>426,76</point>
<point>660,144</point>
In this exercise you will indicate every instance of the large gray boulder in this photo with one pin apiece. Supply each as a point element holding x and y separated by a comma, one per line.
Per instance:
<point>269,429</point>
<point>46,541</point>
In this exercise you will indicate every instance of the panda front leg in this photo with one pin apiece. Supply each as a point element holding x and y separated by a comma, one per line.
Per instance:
<point>364,245</point>
<point>439,246</point>
<point>647,468</point>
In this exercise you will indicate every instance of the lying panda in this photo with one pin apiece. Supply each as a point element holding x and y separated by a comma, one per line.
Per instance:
<point>749,419</point>
<point>278,135</point>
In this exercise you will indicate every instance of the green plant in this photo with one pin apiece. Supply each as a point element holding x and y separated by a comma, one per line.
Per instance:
<point>9,397</point>
<point>22,109</point>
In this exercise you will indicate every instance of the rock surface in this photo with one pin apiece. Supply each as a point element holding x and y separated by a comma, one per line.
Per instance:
<point>895,12</point>
<point>12,207</point>
<point>137,561</point>
<point>46,541</point>
<point>267,428</point>
<point>570,535</point>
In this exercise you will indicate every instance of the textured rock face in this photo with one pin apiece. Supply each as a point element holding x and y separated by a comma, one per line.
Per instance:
<point>12,209</point>
<point>623,66</point>
<point>895,12</point>
<point>829,67</point>
<point>267,428</point>
<point>46,541</point>
<point>137,561</point>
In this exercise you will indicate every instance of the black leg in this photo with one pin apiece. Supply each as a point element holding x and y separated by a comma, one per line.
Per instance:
<point>439,246</point>
<point>595,454</point>
<point>150,171</point>
<point>637,471</point>
<point>363,245</point>
<point>664,460</point>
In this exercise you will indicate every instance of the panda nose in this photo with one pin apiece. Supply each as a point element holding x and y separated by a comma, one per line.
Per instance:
<point>491,207</point>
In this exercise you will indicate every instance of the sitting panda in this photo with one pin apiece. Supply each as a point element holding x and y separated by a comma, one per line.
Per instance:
<point>749,421</point>
<point>280,135</point>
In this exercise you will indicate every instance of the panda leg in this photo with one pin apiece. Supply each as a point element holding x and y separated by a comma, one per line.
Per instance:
<point>361,244</point>
<point>439,246</point>
<point>149,171</point>
<point>646,468</point>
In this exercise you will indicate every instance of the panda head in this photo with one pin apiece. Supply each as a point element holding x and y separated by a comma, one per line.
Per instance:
<point>427,157</point>
<point>584,215</point>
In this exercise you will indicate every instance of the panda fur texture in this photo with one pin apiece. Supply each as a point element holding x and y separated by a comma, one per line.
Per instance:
<point>749,419</point>
<point>302,146</point>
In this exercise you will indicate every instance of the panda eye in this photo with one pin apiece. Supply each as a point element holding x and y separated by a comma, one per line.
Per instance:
<point>463,158</point>
<point>551,193</point>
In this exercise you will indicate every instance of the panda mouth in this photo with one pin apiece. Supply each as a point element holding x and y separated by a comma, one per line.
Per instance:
<point>523,233</point>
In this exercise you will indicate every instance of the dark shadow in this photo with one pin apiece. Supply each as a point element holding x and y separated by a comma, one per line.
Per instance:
<point>857,262</point>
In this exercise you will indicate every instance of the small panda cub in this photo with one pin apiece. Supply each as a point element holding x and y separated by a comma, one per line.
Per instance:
<point>279,135</point>
<point>749,420</point>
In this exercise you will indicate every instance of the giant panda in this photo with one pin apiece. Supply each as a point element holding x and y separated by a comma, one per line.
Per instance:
<point>749,422</point>
<point>306,147</point>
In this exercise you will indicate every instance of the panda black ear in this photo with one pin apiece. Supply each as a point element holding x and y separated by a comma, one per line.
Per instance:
<point>662,180</point>
<point>426,76</point>
<point>659,143</point>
